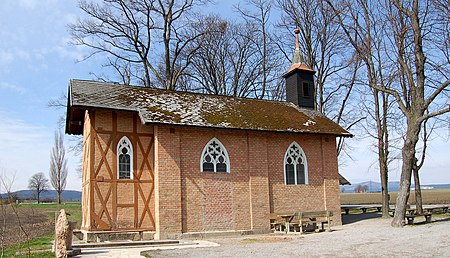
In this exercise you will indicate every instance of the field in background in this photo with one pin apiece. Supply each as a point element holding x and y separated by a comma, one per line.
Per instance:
<point>73,209</point>
<point>441,196</point>
<point>38,222</point>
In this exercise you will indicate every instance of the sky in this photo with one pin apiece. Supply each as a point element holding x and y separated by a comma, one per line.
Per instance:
<point>36,64</point>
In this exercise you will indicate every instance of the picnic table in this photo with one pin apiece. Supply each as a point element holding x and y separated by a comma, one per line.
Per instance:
<point>287,218</point>
<point>428,210</point>
<point>432,208</point>
<point>300,220</point>
<point>363,207</point>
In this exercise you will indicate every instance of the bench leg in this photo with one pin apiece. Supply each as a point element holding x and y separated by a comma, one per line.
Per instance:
<point>316,227</point>
<point>410,220</point>
<point>347,211</point>
<point>378,209</point>
<point>364,210</point>
<point>428,218</point>
<point>322,227</point>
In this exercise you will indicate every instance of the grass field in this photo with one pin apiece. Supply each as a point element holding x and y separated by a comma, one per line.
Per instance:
<point>37,222</point>
<point>72,208</point>
<point>441,196</point>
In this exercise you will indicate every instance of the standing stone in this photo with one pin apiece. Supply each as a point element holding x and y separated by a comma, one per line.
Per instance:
<point>61,235</point>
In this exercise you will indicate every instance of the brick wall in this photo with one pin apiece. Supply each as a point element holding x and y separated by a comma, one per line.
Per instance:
<point>167,183</point>
<point>169,193</point>
<point>244,198</point>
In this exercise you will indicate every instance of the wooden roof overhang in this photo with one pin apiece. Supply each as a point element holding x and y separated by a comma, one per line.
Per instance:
<point>194,110</point>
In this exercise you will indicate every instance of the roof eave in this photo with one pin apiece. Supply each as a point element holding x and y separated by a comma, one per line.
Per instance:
<point>346,135</point>
<point>68,108</point>
<point>73,108</point>
<point>293,69</point>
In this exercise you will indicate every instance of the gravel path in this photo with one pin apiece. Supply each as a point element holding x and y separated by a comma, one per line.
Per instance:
<point>364,235</point>
<point>364,238</point>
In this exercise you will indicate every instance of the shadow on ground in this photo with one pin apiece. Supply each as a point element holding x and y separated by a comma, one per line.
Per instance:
<point>352,218</point>
<point>91,252</point>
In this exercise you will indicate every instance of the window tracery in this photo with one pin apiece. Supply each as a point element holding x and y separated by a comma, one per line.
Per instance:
<point>215,157</point>
<point>124,159</point>
<point>295,165</point>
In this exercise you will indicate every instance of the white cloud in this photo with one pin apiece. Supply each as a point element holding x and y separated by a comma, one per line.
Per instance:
<point>12,87</point>
<point>8,56</point>
<point>15,133</point>
<point>26,150</point>
<point>67,50</point>
<point>32,4</point>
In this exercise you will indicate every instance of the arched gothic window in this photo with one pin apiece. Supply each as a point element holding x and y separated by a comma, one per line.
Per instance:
<point>215,157</point>
<point>295,165</point>
<point>125,159</point>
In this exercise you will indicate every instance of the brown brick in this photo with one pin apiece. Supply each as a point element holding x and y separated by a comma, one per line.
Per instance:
<point>182,198</point>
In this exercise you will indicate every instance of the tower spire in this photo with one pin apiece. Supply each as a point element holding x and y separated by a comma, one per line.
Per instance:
<point>298,57</point>
<point>300,80</point>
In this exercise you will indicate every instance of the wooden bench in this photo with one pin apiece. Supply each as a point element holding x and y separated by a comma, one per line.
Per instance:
<point>363,208</point>
<point>302,220</point>
<point>409,211</point>
<point>432,209</point>
<point>276,222</point>
<point>410,217</point>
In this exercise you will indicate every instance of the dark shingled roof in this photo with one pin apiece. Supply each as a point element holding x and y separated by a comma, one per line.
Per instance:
<point>157,106</point>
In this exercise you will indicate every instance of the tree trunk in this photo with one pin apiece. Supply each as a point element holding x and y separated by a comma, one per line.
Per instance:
<point>38,196</point>
<point>408,155</point>
<point>382,137</point>
<point>418,192</point>
<point>384,192</point>
<point>58,197</point>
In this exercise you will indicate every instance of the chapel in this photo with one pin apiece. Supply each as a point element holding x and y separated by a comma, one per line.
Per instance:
<point>176,163</point>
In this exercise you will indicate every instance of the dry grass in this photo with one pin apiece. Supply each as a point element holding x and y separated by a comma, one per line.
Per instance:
<point>441,196</point>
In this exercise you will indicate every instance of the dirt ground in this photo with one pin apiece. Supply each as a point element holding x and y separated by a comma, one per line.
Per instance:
<point>34,222</point>
<point>362,235</point>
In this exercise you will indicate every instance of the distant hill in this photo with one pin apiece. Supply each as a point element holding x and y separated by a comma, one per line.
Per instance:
<point>67,195</point>
<point>374,187</point>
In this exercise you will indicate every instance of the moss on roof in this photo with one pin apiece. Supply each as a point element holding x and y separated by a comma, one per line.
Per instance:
<point>193,109</point>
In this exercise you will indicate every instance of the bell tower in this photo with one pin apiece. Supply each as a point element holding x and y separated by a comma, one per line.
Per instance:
<point>300,80</point>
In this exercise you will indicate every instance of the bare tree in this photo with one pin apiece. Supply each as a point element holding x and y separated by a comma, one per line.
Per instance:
<point>365,31</point>
<point>38,184</point>
<point>76,141</point>
<point>361,189</point>
<point>323,45</point>
<point>226,62</point>
<point>381,120</point>
<point>132,33</point>
<point>324,48</point>
<point>410,40</point>
<point>413,26</point>
<point>58,166</point>
<point>257,13</point>
<point>6,186</point>
<point>122,30</point>
<point>427,132</point>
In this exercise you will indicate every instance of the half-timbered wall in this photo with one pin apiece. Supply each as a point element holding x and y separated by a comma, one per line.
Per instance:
<point>110,203</point>
<point>85,187</point>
